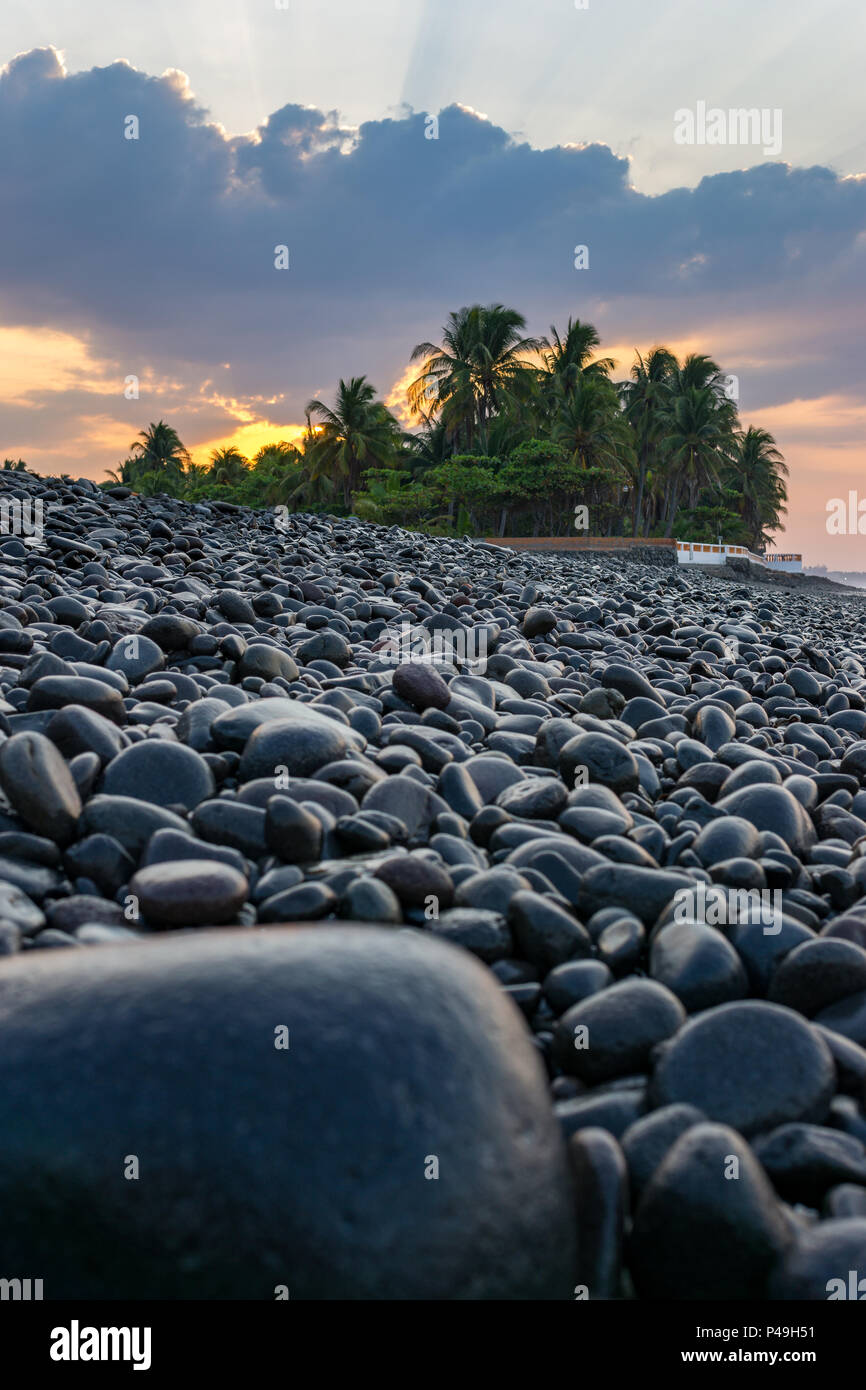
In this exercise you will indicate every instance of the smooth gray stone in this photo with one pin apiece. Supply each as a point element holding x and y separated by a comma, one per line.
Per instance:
<point>38,783</point>
<point>205,1089</point>
<point>701,1233</point>
<point>776,1067</point>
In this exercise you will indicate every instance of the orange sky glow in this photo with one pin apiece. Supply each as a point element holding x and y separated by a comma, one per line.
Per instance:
<point>821,438</point>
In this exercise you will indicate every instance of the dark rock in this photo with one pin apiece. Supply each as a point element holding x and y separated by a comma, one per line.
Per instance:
<point>804,1161</point>
<point>613,1033</point>
<point>291,831</point>
<point>205,1012</point>
<point>189,893</point>
<point>420,685</point>
<point>817,974</point>
<point>39,785</point>
<point>651,1137</point>
<point>546,934</point>
<point>604,759</point>
<point>161,773</point>
<point>708,1225</point>
<point>818,1268</point>
<point>698,965</point>
<point>601,1196</point>
<point>776,1067</point>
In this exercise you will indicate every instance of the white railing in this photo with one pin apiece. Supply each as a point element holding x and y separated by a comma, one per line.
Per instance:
<point>702,553</point>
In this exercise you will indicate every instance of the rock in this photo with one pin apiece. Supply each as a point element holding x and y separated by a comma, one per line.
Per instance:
<point>700,1234</point>
<point>423,1006</point>
<point>630,683</point>
<point>421,685</point>
<point>546,934</point>
<point>819,1266</point>
<point>772,808</point>
<point>537,621</point>
<point>39,785</point>
<point>326,646</point>
<point>805,1161</point>
<point>417,881</point>
<point>408,801</point>
<point>292,832</point>
<point>235,728</point>
<point>19,911</point>
<point>601,1196</point>
<point>604,759</point>
<point>261,659</point>
<point>486,934</point>
<point>129,821</point>
<point>732,837</point>
<point>574,980</point>
<point>817,974</point>
<point>77,730</point>
<point>224,822</point>
<point>613,1033</point>
<point>169,631</point>
<point>535,798</point>
<point>492,888</point>
<point>297,747</point>
<point>847,1017</point>
<point>368,900</point>
<point>649,1139</point>
<point>309,902</point>
<point>161,773</point>
<point>55,692</point>
<point>698,965</point>
<point>646,892</point>
<point>136,657</point>
<point>777,1068</point>
<point>189,893</point>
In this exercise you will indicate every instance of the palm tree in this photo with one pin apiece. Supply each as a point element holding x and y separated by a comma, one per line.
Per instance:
<point>698,371</point>
<point>194,476</point>
<point>646,398</point>
<point>699,442</point>
<point>278,470</point>
<point>588,423</point>
<point>479,368</point>
<point>430,445</point>
<point>757,473</point>
<point>158,449</point>
<point>14,466</point>
<point>277,454</point>
<point>567,359</point>
<point>359,433</point>
<point>228,466</point>
<point>124,475</point>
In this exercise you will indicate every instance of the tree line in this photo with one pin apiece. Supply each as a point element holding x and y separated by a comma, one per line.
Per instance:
<point>511,434</point>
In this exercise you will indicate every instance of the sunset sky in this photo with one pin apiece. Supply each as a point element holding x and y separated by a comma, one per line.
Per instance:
<point>262,124</point>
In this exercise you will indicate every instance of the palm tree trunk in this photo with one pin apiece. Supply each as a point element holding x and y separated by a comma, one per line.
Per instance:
<point>674,498</point>
<point>638,501</point>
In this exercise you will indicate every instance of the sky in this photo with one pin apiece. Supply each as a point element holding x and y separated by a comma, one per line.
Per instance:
<point>139,279</point>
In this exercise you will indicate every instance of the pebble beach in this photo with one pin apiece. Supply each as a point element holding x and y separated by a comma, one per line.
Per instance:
<point>532,968</point>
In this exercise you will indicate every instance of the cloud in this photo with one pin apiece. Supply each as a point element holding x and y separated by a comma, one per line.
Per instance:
<point>157,253</point>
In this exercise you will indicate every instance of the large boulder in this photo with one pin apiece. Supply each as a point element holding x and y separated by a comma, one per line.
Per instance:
<point>264,1169</point>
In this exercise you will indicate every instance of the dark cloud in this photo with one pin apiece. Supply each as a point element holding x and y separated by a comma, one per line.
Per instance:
<point>160,251</point>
